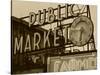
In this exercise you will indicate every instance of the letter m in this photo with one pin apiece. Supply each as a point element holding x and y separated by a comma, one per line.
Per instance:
<point>18,46</point>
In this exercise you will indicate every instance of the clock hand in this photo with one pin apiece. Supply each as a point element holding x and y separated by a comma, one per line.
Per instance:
<point>81,31</point>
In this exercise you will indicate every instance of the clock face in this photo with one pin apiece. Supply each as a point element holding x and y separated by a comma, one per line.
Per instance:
<point>81,31</point>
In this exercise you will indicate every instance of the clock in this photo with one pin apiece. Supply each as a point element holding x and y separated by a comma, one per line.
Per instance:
<point>81,31</point>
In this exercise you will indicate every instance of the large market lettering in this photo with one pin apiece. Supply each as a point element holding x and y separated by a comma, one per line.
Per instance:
<point>20,47</point>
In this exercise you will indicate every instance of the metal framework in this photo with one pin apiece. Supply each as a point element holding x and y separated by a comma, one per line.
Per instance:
<point>70,45</point>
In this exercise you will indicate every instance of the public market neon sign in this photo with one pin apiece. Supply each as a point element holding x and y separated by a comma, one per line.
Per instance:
<point>42,17</point>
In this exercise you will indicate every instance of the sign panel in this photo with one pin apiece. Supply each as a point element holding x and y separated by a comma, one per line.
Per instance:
<point>76,62</point>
